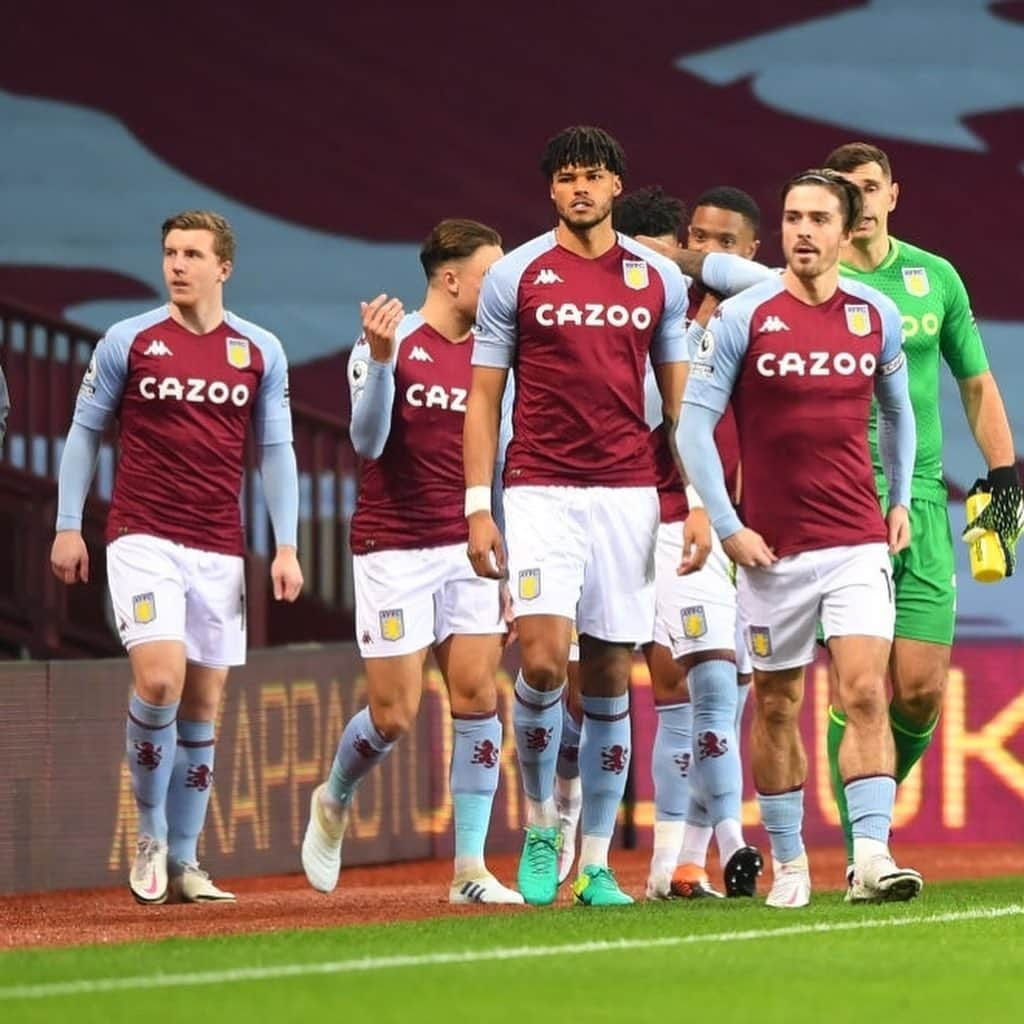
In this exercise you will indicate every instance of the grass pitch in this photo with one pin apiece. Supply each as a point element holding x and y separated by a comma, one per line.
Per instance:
<point>954,954</point>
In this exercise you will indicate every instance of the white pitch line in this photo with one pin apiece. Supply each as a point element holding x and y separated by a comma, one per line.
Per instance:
<point>50,990</point>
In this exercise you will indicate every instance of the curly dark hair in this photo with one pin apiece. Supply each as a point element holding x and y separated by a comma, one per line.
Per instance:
<point>582,146</point>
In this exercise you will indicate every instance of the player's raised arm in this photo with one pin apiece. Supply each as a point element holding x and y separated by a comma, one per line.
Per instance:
<point>98,399</point>
<point>722,272</point>
<point>279,471</point>
<point>897,433</point>
<point>371,376</point>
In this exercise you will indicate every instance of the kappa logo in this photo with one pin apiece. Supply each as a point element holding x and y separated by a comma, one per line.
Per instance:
<point>774,324</point>
<point>695,622</point>
<point>392,624</point>
<point>157,348</point>
<point>420,355</point>
<point>529,584</point>
<point>635,274</point>
<point>682,762</point>
<point>144,608</point>
<point>239,354</point>
<point>857,320</point>
<point>547,276</point>
<point>915,280</point>
<point>760,641</point>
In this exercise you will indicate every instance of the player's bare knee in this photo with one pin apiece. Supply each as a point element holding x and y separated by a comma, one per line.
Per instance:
<point>392,721</point>
<point>544,673</point>
<point>198,707</point>
<point>474,696</point>
<point>864,698</point>
<point>777,708</point>
<point>920,706</point>
<point>157,686</point>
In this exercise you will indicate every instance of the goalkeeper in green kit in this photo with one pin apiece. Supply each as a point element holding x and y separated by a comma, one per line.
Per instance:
<point>937,322</point>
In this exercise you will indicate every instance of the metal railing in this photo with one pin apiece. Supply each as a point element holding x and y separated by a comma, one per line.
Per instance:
<point>44,358</point>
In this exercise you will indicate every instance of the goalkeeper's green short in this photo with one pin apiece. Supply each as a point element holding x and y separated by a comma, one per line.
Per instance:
<point>924,576</point>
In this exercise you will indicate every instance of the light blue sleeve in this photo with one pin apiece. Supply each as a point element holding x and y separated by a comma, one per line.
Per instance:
<point>729,274</point>
<point>99,395</point>
<point>77,466</point>
<point>669,342</point>
<point>280,476</point>
<point>504,437</point>
<point>5,405</point>
<point>897,429</point>
<point>715,365</point>
<point>272,414</point>
<point>372,388</point>
<point>497,332</point>
<point>695,437</point>
<point>718,356</point>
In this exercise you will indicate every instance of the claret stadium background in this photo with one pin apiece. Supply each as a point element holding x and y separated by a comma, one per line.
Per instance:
<point>333,142</point>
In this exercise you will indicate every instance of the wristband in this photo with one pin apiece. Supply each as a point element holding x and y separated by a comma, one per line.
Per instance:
<point>1003,478</point>
<point>478,499</point>
<point>692,497</point>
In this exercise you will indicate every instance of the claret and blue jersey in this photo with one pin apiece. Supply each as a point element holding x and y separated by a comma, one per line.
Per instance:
<point>184,402</point>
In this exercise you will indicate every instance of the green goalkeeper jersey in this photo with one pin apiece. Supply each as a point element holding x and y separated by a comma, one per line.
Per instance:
<point>937,320</point>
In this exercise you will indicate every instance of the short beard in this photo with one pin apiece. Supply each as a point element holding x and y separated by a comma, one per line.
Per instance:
<point>581,226</point>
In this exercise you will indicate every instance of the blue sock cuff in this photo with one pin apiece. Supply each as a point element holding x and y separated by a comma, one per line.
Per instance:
<point>538,700</point>
<point>606,708</point>
<point>375,739</point>
<point>194,732</point>
<point>675,716</point>
<point>151,716</point>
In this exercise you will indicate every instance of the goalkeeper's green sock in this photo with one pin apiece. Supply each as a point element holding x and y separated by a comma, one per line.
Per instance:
<point>911,742</point>
<point>836,728</point>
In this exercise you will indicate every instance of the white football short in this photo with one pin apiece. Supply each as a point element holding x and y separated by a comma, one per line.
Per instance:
<point>166,591</point>
<point>696,613</point>
<point>411,599</point>
<point>585,553</point>
<point>849,589</point>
